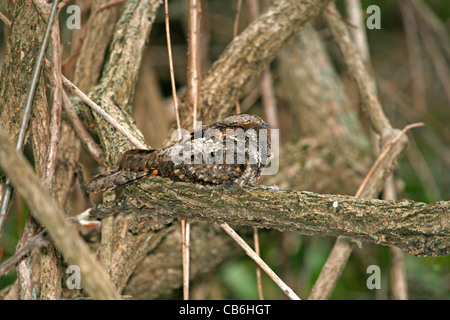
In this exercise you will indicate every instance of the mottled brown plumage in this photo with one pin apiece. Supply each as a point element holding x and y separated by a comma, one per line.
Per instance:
<point>210,142</point>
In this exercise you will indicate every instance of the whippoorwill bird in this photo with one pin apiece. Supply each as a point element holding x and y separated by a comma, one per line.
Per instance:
<point>233,150</point>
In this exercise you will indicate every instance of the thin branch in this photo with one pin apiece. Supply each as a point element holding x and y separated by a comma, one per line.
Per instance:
<point>50,215</point>
<point>5,19</point>
<point>82,132</point>
<point>78,172</point>
<point>270,111</point>
<point>252,254</point>
<point>399,282</point>
<point>35,242</point>
<point>383,155</point>
<point>235,32</point>
<point>27,111</point>
<point>185,250</point>
<point>50,281</point>
<point>258,269</point>
<point>193,94</point>
<point>338,16</point>
<point>74,89</point>
<point>56,106</point>
<point>172,74</point>
<point>332,269</point>
<point>236,18</point>
<point>184,223</point>
<point>194,57</point>
<point>356,17</point>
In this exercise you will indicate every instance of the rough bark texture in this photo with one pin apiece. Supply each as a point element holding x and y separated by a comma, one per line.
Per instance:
<point>23,45</point>
<point>63,233</point>
<point>421,229</point>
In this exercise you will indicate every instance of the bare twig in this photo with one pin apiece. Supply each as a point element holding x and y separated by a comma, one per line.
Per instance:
<point>235,32</point>
<point>194,57</point>
<point>269,106</point>
<point>35,242</point>
<point>383,155</point>
<point>193,95</point>
<point>73,88</point>
<point>50,215</point>
<point>27,112</point>
<point>56,106</point>
<point>356,17</point>
<point>50,281</point>
<point>78,172</point>
<point>236,18</point>
<point>258,269</point>
<point>252,254</point>
<point>185,250</point>
<point>399,283</point>
<point>338,16</point>
<point>172,75</point>
<point>331,270</point>
<point>82,132</point>
<point>184,223</point>
<point>5,19</point>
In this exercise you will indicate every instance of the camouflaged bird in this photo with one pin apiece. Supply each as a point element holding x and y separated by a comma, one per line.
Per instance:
<point>228,152</point>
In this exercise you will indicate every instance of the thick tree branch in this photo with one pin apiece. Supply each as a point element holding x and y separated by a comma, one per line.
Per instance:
<point>46,211</point>
<point>421,229</point>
